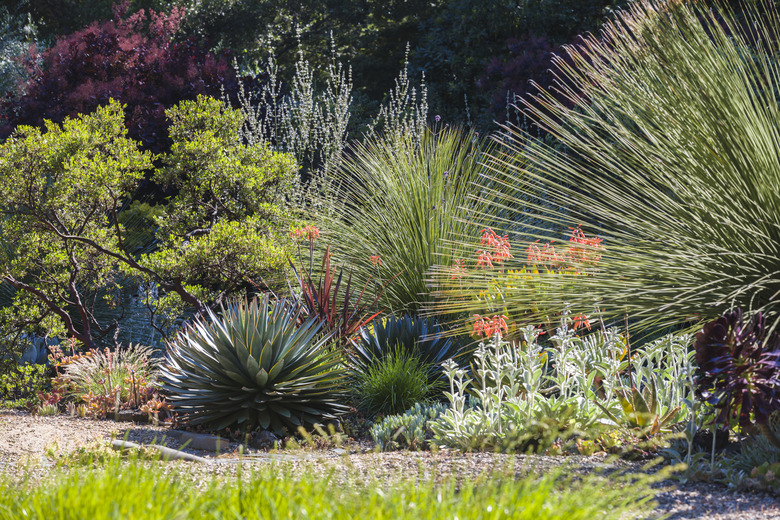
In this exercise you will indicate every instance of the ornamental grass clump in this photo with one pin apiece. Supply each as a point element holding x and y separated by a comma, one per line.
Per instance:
<point>254,366</point>
<point>665,146</point>
<point>393,384</point>
<point>107,380</point>
<point>396,198</point>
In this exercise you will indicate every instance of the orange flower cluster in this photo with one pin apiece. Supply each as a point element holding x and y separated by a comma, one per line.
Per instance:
<point>581,321</point>
<point>497,250</point>
<point>485,327</point>
<point>458,268</point>
<point>582,251</point>
<point>375,260</point>
<point>310,233</point>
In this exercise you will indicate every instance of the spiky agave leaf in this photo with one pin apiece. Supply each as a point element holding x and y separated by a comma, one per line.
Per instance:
<point>253,366</point>
<point>668,148</point>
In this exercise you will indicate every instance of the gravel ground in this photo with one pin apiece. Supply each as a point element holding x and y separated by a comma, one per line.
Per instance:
<point>24,437</point>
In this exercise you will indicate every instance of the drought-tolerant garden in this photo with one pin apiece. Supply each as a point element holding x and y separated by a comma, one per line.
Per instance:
<point>578,305</point>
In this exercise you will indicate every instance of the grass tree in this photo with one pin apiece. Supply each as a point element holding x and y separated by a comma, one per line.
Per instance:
<point>666,147</point>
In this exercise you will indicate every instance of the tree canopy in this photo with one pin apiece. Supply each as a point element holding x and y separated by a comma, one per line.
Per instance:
<point>66,247</point>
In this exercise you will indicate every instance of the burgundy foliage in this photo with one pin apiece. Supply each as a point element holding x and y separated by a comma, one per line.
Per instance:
<point>739,368</point>
<point>132,59</point>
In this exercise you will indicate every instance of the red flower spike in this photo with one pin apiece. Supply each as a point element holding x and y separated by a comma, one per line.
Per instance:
<point>484,259</point>
<point>581,321</point>
<point>458,268</point>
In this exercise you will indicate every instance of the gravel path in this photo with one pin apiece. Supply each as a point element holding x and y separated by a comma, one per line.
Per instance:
<point>24,436</point>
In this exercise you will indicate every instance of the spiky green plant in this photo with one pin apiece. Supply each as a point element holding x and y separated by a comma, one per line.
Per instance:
<point>396,198</point>
<point>253,366</point>
<point>415,336</point>
<point>641,410</point>
<point>393,384</point>
<point>668,147</point>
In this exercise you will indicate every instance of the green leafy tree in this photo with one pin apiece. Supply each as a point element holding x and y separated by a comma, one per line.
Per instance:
<point>61,192</point>
<point>67,249</point>
<point>225,228</point>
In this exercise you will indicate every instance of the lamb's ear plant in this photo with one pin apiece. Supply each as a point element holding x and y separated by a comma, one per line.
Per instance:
<point>665,128</point>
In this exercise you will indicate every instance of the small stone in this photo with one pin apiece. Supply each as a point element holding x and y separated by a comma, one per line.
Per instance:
<point>264,440</point>
<point>200,441</point>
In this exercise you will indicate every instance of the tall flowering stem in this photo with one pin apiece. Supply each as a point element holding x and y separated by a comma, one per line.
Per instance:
<point>309,233</point>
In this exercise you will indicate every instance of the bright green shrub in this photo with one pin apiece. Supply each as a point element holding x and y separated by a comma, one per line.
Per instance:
<point>393,384</point>
<point>64,247</point>
<point>21,385</point>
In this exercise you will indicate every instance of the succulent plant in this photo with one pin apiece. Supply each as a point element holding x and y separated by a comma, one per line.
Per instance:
<point>413,336</point>
<point>254,366</point>
<point>642,410</point>
<point>739,370</point>
<point>408,430</point>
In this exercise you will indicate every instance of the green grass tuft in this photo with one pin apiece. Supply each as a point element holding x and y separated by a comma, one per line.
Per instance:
<point>137,491</point>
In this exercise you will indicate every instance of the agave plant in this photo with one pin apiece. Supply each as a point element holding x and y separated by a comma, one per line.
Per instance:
<point>413,336</point>
<point>641,410</point>
<point>254,366</point>
<point>739,370</point>
<point>663,143</point>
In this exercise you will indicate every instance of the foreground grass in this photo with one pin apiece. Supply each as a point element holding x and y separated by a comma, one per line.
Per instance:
<point>143,490</point>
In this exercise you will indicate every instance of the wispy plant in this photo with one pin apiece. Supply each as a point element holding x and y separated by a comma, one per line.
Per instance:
<point>669,122</point>
<point>396,199</point>
<point>405,112</point>
<point>306,119</point>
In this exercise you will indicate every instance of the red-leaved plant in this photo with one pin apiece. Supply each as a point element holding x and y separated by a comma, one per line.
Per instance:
<point>132,59</point>
<point>341,314</point>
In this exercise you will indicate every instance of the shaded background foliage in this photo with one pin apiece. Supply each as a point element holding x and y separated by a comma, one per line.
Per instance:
<point>467,49</point>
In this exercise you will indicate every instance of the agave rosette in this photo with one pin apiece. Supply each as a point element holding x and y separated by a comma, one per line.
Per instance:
<point>254,366</point>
